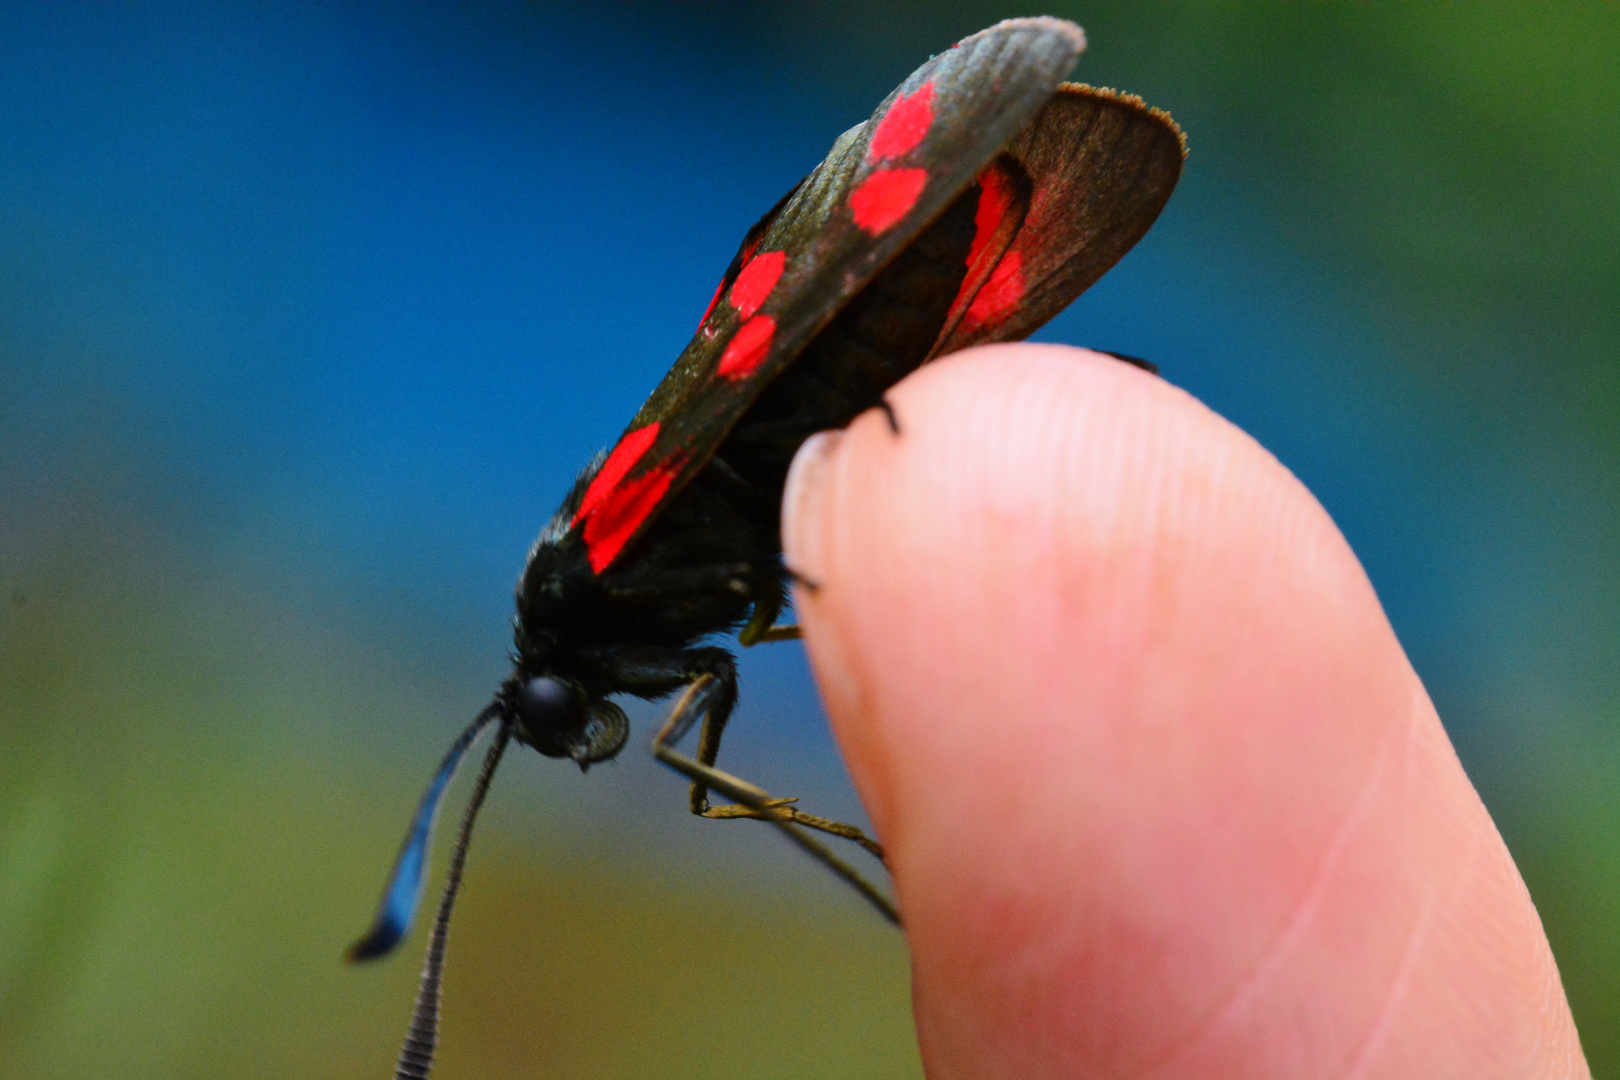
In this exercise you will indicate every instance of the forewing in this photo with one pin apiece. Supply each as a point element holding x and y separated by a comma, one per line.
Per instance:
<point>1101,166</point>
<point>881,184</point>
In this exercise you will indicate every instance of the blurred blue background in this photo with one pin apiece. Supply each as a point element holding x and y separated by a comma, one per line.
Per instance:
<point>308,315</point>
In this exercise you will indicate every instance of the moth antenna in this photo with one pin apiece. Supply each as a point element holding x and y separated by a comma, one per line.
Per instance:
<point>397,908</point>
<point>416,1055</point>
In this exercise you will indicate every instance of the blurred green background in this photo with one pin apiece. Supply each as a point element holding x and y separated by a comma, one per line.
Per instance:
<point>309,314</point>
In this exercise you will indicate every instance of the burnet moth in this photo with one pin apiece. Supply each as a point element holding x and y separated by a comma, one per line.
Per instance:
<point>983,195</point>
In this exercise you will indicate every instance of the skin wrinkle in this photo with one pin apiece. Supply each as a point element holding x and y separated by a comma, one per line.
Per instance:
<point>1416,938</point>
<point>1310,903</point>
<point>1496,913</point>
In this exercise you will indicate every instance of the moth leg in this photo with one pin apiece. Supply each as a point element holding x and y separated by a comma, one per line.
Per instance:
<point>712,696</point>
<point>798,817</point>
<point>888,412</point>
<point>1135,361</point>
<point>809,585</point>
<point>755,801</point>
<point>762,624</point>
<point>710,678</point>
<point>711,693</point>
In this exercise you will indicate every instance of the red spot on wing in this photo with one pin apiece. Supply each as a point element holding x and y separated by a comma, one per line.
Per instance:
<point>614,507</point>
<point>713,300</point>
<point>1000,295</point>
<point>756,281</point>
<point>618,463</point>
<point>885,197</point>
<point>743,256</point>
<point>904,125</point>
<point>995,198</point>
<point>622,512</point>
<point>748,348</point>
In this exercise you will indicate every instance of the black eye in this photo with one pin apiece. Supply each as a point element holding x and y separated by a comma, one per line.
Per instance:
<point>545,705</point>
<point>559,720</point>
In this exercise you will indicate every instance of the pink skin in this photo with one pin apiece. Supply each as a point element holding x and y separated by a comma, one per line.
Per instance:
<point>1162,795</point>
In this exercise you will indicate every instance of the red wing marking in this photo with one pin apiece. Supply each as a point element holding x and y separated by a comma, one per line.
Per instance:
<point>997,221</point>
<point>743,256</point>
<point>756,281</point>
<point>1001,294</point>
<point>713,300</point>
<point>622,512</point>
<point>904,125</point>
<point>613,507</point>
<point>618,463</point>
<point>748,348</point>
<point>995,199</point>
<point>885,197</point>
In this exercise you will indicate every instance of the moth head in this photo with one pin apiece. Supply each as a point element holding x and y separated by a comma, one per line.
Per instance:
<point>560,718</point>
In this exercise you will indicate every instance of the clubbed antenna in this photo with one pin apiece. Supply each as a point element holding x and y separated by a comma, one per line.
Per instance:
<point>397,908</point>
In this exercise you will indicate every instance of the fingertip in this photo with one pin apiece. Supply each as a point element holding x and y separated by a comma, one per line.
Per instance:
<point>1125,711</point>
<point>810,513</point>
<point>803,511</point>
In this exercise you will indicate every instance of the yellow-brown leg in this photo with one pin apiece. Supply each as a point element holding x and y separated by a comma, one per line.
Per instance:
<point>752,801</point>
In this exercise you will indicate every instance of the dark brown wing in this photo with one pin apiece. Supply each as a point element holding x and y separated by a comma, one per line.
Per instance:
<point>1101,166</point>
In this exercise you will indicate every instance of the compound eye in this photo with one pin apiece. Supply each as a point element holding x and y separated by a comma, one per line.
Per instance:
<point>546,704</point>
